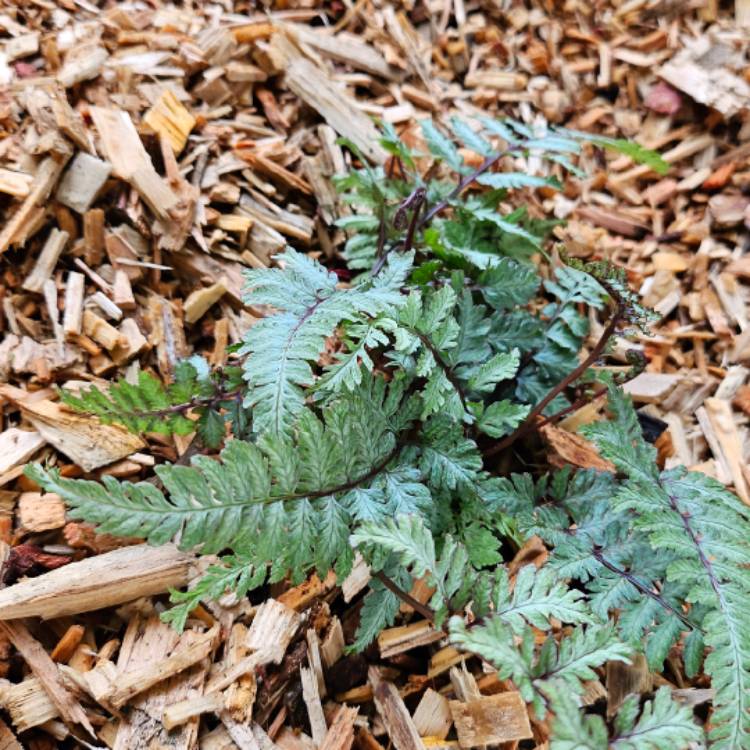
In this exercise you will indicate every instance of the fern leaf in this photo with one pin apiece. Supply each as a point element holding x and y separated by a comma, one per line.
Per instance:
<point>663,724</point>
<point>705,528</point>
<point>515,180</point>
<point>494,641</point>
<point>233,574</point>
<point>378,612</point>
<point>501,417</point>
<point>537,596</point>
<point>470,138</point>
<point>508,283</point>
<point>574,660</point>
<point>447,458</point>
<point>441,146</point>
<point>150,406</point>
<point>501,366</point>
<point>282,346</point>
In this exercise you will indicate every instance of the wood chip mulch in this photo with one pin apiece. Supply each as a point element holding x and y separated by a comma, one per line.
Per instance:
<point>150,153</point>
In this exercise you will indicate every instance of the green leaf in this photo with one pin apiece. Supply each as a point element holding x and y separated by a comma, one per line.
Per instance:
<point>515,180</point>
<point>502,366</point>
<point>637,153</point>
<point>282,346</point>
<point>440,146</point>
<point>502,417</point>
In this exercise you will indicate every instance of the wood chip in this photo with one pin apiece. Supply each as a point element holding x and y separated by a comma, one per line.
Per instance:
<point>105,580</point>
<point>46,672</point>
<point>491,719</point>
<point>396,718</point>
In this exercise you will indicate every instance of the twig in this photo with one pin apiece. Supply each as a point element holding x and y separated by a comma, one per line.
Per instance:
<point>416,605</point>
<point>577,404</point>
<point>414,203</point>
<point>530,422</point>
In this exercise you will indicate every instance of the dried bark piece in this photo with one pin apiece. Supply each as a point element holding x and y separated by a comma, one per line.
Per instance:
<point>568,448</point>
<point>396,718</point>
<point>170,118</point>
<point>82,181</point>
<point>27,704</point>
<point>46,261</point>
<point>700,73</point>
<point>651,387</point>
<point>37,512</point>
<point>201,300</point>
<point>132,682</point>
<point>148,641</point>
<point>168,334</point>
<point>343,47</point>
<point>491,719</point>
<point>67,645</point>
<point>17,184</point>
<point>18,226</point>
<point>8,740</point>
<point>17,447</point>
<point>101,331</point>
<point>129,159</point>
<point>179,713</point>
<point>239,697</point>
<point>311,697</point>
<point>272,630</point>
<point>340,735</point>
<point>335,106</point>
<point>28,559</point>
<point>97,582</point>
<point>624,679</point>
<point>725,428</point>
<point>398,640</point>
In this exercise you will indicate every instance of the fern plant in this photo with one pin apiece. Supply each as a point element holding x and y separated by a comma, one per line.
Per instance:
<point>372,416</point>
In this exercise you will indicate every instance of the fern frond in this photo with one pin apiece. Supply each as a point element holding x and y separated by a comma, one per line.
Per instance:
<point>283,346</point>
<point>191,403</point>
<point>537,596</point>
<point>290,504</point>
<point>514,180</point>
<point>705,528</point>
<point>408,538</point>
<point>662,725</point>
<point>571,662</point>
<point>234,574</point>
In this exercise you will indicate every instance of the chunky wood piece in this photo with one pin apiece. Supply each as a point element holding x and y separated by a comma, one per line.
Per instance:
<point>171,119</point>
<point>433,717</point>
<point>84,439</point>
<point>47,261</point>
<point>17,447</point>
<point>133,682</point>
<point>491,719</point>
<point>102,581</point>
<point>340,735</point>
<point>82,181</point>
<point>314,87</point>
<point>396,718</point>
<point>129,159</point>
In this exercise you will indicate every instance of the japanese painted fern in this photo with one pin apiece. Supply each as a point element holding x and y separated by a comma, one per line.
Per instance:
<point>373,416</point>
